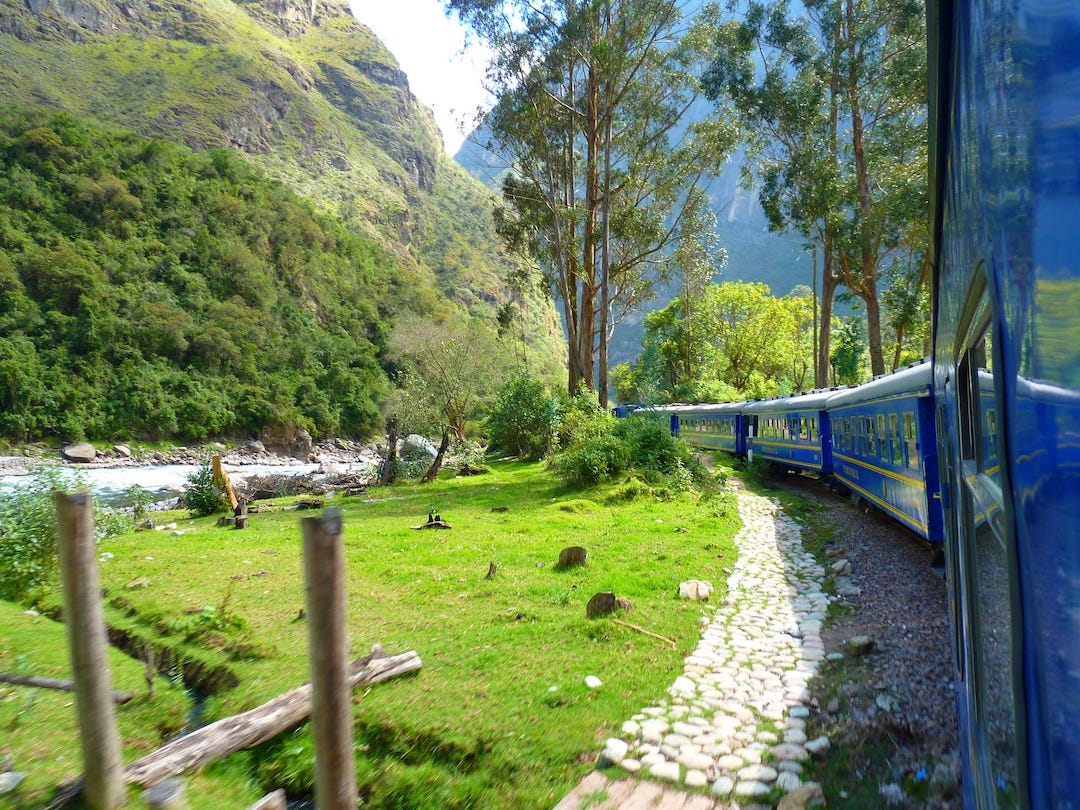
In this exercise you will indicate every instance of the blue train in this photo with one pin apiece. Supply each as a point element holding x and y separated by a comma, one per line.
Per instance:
<point>980,448</point>
<point>1005,217</point>
<point>875,440</point>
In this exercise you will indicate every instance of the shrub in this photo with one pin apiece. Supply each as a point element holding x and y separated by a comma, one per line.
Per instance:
<point>524,418</point>
<point>28,542</point>
<point>581,419</point>
<point>603,447</point>
<point>204,496</point>
<point>595,460</point>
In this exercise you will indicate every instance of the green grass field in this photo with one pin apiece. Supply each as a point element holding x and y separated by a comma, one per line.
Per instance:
<point>499,715</point>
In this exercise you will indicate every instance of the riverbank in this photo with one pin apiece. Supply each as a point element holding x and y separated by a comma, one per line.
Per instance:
<point>164,472</point>
<point>24,460</point>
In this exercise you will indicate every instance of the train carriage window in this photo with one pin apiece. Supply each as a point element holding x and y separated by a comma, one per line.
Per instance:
<point>813,429</point>
<point>911,443</point>
<point>894,439</point>
<point>871,440</point>
<point>882,451</point>
<point>987,562</point>
<point>804,429</point>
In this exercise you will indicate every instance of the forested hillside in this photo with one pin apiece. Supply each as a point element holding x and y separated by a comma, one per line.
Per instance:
<point>148,290</point>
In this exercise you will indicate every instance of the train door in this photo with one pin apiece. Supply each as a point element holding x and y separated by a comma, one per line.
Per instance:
<point>985,572</point>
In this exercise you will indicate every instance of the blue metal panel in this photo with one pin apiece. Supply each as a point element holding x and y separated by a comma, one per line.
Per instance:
<point>1005,119</point>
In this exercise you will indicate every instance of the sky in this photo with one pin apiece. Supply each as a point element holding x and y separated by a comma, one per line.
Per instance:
<point>428,46</point>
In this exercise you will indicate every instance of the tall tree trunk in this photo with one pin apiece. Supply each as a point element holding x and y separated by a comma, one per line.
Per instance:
<point>433,470</point>
<point>388,473</point>
<point>868,260</point>
<point>605,255</point>
<point>590,249</point>
<point>829,282</point>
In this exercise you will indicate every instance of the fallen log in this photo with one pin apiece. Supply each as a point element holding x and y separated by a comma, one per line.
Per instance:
<point>53,683</point>
<point>246,730</point>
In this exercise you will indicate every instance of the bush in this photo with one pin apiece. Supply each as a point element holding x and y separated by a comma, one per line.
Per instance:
<point>524,418</point>
<point>595,460</point>
<point>604,447</point>
<point>28,542</point>
<point>204,496</point>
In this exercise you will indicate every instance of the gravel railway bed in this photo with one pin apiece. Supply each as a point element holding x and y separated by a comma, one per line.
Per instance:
<point>894,709</point>
<point>778,698</point>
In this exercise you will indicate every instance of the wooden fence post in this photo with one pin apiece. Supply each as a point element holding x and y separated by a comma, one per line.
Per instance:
<point>328,649</point>
<point>85,622</point>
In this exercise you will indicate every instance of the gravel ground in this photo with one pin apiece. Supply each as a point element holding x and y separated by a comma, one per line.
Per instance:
<point>893,709</point>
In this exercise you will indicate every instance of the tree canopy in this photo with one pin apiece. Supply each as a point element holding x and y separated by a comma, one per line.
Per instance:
<point>604,170</point>
<point>150,291</point>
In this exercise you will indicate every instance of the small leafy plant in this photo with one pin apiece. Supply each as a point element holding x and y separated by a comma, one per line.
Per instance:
<point>204,496</point>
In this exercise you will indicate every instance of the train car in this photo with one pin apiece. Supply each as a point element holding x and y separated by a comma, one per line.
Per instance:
<point>669,414</point>
<point>713,427</point>
<point>1004,120</point>
<point>790,432</point>
<point>884,448</point>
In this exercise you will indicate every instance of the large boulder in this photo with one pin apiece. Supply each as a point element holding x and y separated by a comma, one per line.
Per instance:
<point>415,447</point>
<point>80,453</point>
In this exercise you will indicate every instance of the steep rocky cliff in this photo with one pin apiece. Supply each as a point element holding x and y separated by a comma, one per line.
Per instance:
<point>306,91</point>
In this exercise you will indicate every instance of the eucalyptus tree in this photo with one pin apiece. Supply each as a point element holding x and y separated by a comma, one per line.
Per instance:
<point>604,171</point>
<point>832,103</point>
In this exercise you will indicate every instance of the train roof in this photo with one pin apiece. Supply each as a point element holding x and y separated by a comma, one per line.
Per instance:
<point>814,400</point>
<point>714,407</point>
<point>915,379</point>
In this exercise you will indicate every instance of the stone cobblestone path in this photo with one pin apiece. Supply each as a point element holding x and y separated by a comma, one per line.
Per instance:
<point>733,724</point>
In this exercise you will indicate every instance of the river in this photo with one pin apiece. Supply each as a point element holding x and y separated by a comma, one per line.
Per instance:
<point>163,481</point>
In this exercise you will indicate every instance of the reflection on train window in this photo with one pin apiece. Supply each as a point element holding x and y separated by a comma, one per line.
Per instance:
<point>911,443</point>
<point>894,438</point>
<point>987,558</point>
<point>813,429</point>
<point>882,449</point>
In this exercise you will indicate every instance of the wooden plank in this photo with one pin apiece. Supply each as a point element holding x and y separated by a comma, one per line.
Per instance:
<point>618,792</point>
<point>53,683</point>
<point>646,796</point>
<point>588,786</point>
<point>271,801</point>
<point>695,801</point>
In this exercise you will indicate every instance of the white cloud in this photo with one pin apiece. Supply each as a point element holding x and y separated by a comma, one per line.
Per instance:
<point>429,46</point>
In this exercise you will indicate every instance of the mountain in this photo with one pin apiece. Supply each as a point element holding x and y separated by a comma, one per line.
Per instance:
<point>304,90</point>
<point>308,96</point>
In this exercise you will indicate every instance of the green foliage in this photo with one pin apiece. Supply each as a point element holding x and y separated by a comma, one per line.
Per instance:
<point>612,446</point>
<point>139,500</point>
<point>746,344</point>
<point>287,761</point>
<point>204,496</point>
<point>848,356</point>
<point>147,290</point>
<point>28,542</point>
<point>597,459</point>
<point>524,418</point>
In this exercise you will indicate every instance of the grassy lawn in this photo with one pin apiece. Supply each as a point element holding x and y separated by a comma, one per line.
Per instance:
<point>499,716</point>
